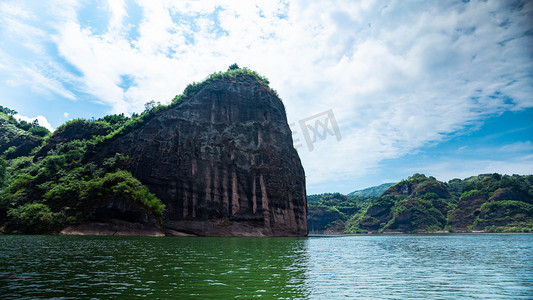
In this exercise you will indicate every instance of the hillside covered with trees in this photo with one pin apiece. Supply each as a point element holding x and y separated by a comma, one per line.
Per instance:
<point>483,203</point>
<point>47,183</point>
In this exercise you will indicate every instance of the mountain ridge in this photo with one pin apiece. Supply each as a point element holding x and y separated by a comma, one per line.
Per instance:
<point>483,203</point>
<point>372,191</point>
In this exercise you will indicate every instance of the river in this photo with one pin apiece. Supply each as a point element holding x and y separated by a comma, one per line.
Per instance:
<point>446,266</point>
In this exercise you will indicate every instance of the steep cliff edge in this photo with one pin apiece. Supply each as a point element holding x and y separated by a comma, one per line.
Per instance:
<point>222,161</point>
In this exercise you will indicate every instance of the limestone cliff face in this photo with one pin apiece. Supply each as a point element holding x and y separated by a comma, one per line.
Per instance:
<point>223,163</point>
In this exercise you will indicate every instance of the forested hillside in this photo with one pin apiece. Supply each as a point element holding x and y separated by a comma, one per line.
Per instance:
<point>47,182</point>
<point>487,202</point>
<point>46,187</point>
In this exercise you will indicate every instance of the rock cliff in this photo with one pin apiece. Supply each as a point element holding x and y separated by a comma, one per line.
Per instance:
<point>222,161</point>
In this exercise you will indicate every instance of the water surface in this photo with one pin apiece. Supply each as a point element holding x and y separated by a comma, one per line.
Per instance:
<point>376,266</point>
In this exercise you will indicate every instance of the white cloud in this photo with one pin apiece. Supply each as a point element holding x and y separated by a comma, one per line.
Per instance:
<point>39,73</point>
<point>43,78</point>
<point>518,147</point>
<point>454,168</point>
<point>398,75</point>
<point>41,119</point>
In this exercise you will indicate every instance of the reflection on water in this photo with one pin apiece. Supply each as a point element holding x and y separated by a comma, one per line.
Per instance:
<point>385,266</point>
<point>53,266</point>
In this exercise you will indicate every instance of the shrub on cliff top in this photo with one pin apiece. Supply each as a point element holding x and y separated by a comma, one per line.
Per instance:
<point>231,74</point>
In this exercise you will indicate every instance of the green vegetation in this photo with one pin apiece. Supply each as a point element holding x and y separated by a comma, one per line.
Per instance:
<point>48,181</point>
<point>234,73</point>
<point>488,202</point>
<point>372,191</point>
<point>520,186</point>
<point>62,189</point>
<point>18,137</point>
<point>417,204</point>
<point>330,212</point>
<point>7,116</point>
<point>43,193</point>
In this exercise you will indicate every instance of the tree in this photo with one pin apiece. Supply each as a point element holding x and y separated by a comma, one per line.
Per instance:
<point>148,106</point>
<point>39,131</point>
<point>7,111</point>
<point>3,166</point>
<point>24,125</point>
<point>233,67</point>
<point>115,119</point>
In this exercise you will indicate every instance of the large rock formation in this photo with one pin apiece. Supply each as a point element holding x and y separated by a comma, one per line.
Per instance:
<point>467,211</point>
<point>222,161</point>
<point>418,204</point>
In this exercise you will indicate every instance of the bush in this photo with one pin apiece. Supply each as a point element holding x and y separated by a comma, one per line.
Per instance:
<point>39,131</point>
<point>35,218</point>
<point>506,209</point>
<point>233,67</point>
<point>470,193</point>
<point>3,166</point>
<point>122,185</point>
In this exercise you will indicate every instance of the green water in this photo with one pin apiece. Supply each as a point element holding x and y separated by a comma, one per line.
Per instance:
<point>384,266</point>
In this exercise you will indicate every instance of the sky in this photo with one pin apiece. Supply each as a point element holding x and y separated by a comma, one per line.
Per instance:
<point>383,89</point>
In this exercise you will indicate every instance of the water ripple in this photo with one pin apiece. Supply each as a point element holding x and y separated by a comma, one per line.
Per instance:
<point>384,266</point>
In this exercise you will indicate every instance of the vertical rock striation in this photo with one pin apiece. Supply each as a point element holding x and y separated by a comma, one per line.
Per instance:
<point>222,161</point>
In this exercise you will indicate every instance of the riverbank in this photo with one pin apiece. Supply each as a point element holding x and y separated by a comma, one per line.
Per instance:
<point>116,227</point>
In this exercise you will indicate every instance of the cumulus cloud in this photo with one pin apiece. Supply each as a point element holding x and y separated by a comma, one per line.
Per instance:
<point>455,168</point>
<point>414,76</point>
<point>23,37</point>
<point>41,119</point>
<point>397,75</point>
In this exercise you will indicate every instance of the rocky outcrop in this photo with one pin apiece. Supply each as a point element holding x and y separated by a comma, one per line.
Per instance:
<point>116,217</point>
<point>421,205</point>
<point>222,162</point>
<point>377,215</point>
<point>112,227</point>
<point>468,208</point>
<point>418,189</point>
<point>507,194</point>
<point>319,218</point>
<point>416,215</point>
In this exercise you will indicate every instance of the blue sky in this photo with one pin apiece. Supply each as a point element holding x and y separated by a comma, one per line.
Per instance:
<point>443,88</point>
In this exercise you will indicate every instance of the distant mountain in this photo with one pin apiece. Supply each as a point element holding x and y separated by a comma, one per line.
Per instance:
<point>328,213</point>
<point>483,203</point>
<point>372,191</point>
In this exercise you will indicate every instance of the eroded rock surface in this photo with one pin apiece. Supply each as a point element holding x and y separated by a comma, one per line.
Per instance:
<point>222,162</point>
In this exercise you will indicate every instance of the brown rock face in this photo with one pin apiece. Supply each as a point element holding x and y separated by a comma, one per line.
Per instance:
<point>507,194</point>
<point>466,212</point>
<point>223,162</point>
